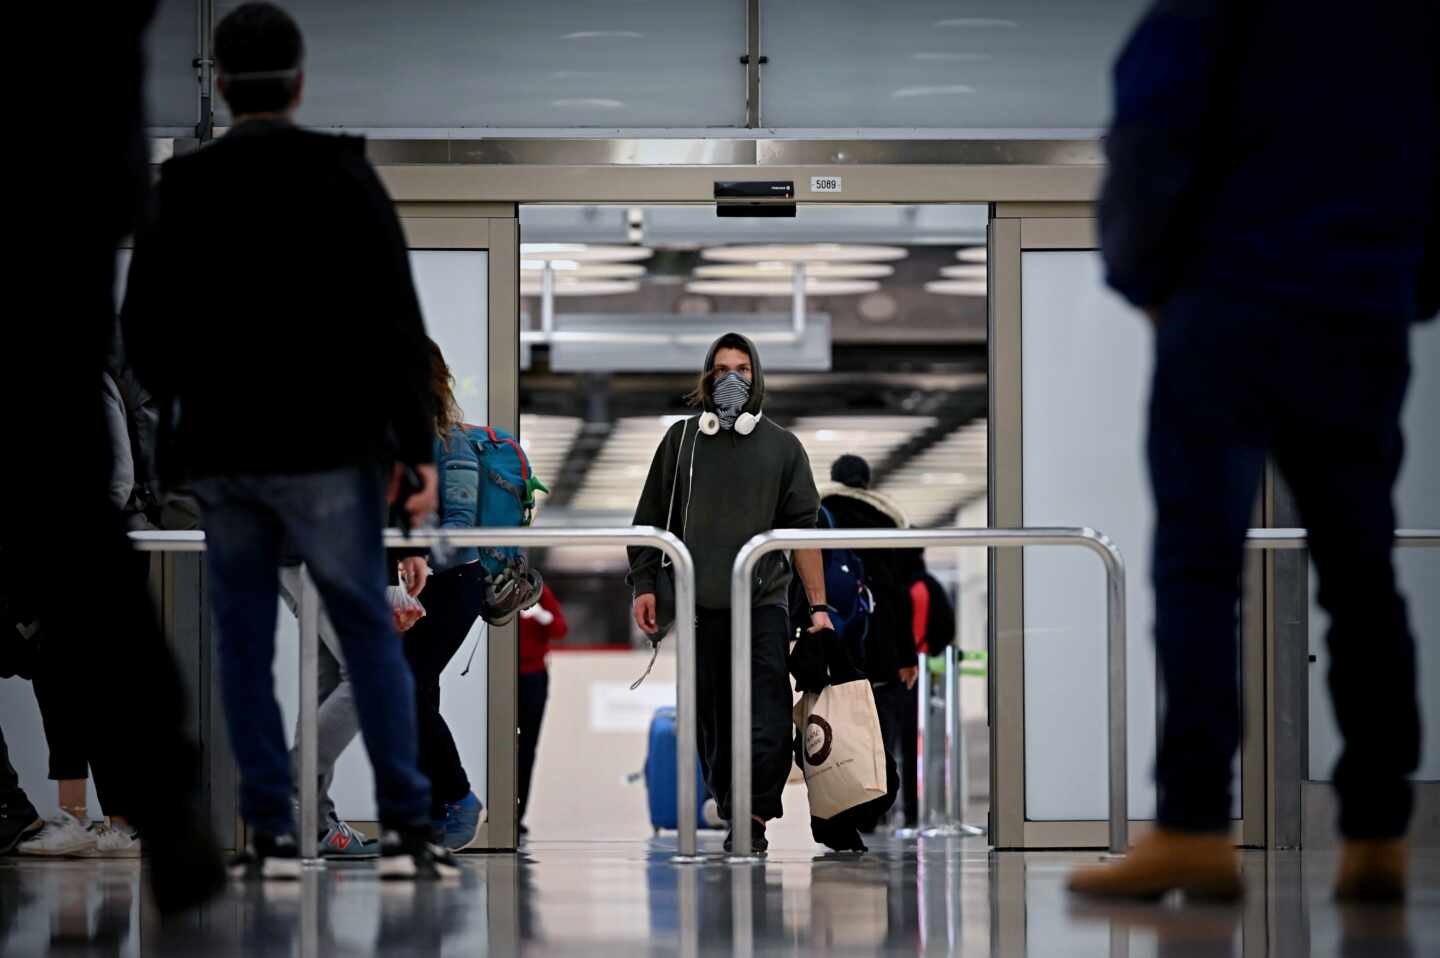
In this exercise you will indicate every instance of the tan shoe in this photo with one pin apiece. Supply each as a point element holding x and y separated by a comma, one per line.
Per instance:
<point>1202,865</point>
<point>1372,870</point>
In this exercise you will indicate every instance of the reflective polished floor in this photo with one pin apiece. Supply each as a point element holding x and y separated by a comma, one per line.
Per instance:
<point>936,896</point>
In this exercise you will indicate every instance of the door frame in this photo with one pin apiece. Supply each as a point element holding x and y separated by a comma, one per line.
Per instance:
<point>494,228</point>
<point>1017,228</point>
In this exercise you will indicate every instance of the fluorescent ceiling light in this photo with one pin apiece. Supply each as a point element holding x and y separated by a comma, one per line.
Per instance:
<point>535,249</point>
<point>956,287</point>
<point>587,103</point>
<point>782,271</point>
<point>952,57</point>
<point>805,253</point>
<point>972,254</point>
<point>964,271</point>
<point>977,23</point>
<point>567,268</point>
<point>582,253</point>
<point>949,89</point>
<point>604,35</point>
<point>580,287</point>
<point>757,287</point>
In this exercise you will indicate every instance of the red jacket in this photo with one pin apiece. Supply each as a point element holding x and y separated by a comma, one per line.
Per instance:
<point>920,612</point>
<point>535,638</point>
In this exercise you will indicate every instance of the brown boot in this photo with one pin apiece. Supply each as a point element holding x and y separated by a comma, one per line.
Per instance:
<point>1372,870</point>
<point>1202,865</point>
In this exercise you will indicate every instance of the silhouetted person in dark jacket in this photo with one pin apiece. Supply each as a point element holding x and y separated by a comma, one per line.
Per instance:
<point>291,343</point>
<point>73,212</point>
<point>1282,280</point>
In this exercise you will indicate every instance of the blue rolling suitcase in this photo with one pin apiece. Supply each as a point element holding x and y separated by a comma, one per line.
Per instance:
<point>660,780</point>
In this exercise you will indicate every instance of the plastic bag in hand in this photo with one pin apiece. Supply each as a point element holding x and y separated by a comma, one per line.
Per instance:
<point>405,607</point>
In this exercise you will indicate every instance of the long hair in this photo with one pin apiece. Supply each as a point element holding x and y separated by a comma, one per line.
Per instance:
<point>703,386</point>
<point>442,392</point>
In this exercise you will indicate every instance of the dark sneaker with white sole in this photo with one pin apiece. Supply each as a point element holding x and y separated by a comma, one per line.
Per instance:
<point>410,855</point>
<point>269,856</point>
<point>758,842</point>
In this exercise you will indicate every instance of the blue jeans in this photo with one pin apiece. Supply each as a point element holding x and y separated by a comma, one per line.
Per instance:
<point>333,522</point>
<point>1236,382</point>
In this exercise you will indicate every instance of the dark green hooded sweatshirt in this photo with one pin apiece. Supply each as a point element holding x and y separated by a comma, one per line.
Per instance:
<point>743,486</point>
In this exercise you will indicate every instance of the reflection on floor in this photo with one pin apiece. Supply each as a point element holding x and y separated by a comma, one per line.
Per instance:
<point>940,896</point>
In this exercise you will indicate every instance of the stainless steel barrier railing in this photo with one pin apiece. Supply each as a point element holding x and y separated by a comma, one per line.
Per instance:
<point>308,615</point>
<point>757,548</point>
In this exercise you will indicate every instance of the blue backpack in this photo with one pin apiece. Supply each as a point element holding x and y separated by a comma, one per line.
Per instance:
<point>847,592</point>
<point>507,490</point>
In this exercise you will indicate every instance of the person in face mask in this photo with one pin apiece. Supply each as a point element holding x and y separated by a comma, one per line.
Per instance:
<point>717,480</point>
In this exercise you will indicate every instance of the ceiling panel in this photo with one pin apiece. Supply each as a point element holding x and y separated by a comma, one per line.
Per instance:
<point>933,485</point>
<point>547,441</point>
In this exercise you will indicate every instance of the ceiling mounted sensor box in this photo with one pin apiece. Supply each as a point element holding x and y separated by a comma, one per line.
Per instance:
<point>735,198</point>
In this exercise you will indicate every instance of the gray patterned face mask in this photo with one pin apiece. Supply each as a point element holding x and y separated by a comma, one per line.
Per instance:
<point>731,393</point>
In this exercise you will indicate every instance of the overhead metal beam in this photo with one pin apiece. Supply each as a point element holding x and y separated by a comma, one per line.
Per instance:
<point>752,61</point>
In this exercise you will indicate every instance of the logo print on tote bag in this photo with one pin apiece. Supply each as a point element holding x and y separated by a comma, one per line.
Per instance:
<point>819,738</point>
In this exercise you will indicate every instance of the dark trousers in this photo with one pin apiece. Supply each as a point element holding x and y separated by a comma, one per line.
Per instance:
<point>534,691</point>
<point>1321,394</point>
<point>64,718</point>
<point>899,727</point>
<point>452,604</point>
<point>333,520</point>
<point>107,631</point>
<point>13,800</point>
<point>771,726</point>
<point>76,750</point>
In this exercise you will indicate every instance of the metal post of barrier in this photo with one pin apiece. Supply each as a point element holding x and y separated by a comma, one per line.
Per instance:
<point>954,801</point>
<point>666,542</point>
<point>742,577</point>
<point>956,778</point>
<point>962,758</point>
<point>308,612</point>
<point>923,683</point>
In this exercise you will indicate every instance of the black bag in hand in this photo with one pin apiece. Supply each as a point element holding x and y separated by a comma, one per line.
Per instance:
<point>817,659</point>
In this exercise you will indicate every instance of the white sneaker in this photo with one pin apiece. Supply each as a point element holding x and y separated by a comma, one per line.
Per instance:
<point>63,834</point>
<point>112,841</point>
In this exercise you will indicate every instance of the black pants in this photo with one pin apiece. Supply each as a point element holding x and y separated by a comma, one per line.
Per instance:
<point>534,691</point>
<point>76,749</point>
<point>899,727</point>
<point>1235,382</point>
<point>12,796</point>
<point>452,604</point>
<point>63,715</point>
<point>118,662</point>
<point>770,722</point>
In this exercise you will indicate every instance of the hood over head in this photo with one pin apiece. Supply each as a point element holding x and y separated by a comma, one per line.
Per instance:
<point>756,401</point>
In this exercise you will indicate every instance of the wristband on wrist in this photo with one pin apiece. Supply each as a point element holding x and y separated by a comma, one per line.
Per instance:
<point>822,607</point>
